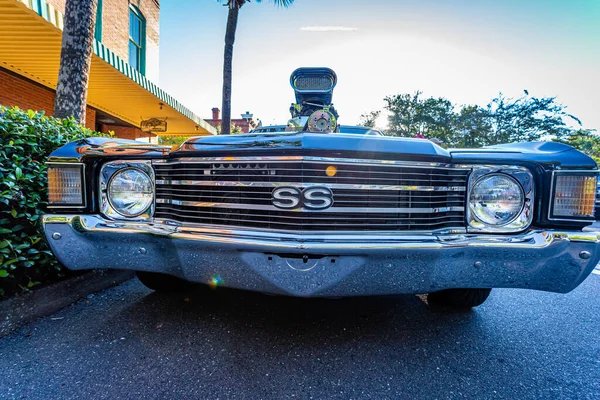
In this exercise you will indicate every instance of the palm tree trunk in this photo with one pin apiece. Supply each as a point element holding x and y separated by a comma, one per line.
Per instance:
<point>232,19</point>
<point>75,59</point>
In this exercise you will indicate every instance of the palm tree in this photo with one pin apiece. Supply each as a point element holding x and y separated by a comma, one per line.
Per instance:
<point>232,18</point>
<point>75,59</point>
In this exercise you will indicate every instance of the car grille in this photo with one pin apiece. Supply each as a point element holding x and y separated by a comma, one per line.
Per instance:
<point>369,195</point>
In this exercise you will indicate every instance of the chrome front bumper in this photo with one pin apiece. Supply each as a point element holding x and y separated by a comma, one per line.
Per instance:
<point>327,265</point>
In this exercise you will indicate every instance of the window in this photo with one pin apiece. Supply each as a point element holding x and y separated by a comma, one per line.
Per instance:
<point>137,40</point>
<point>98,28</point>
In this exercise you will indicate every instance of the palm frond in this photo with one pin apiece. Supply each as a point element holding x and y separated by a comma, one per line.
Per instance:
<point>279,3</point>
<point>283,3</point>
<point>233,3</point>
<point>240,3</point>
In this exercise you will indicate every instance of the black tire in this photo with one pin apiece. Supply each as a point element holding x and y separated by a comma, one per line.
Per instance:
<point>162,282</point>
<point>458,299</point>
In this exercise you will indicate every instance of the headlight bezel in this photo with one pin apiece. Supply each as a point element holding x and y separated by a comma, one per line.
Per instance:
<point>524,178</point>
<point>111,196</point>
<point>503,176</point>
<point>108,172</point>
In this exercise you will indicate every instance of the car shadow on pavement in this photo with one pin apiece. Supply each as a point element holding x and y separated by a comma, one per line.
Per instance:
<point>281,319</point>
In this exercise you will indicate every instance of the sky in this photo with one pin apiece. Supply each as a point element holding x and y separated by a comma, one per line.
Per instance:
<point>465,50</point>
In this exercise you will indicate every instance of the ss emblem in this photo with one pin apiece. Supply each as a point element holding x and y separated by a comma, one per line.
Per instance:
<point>312,198</point>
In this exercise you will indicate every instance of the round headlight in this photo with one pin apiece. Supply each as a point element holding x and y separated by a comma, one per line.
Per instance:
<point>496,199</point>
<point>130,192</point>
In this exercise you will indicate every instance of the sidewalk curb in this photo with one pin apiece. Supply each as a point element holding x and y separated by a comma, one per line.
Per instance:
<point>40,303</point>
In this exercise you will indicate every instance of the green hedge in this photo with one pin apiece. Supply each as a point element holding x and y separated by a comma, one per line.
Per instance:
<point>26,140</point>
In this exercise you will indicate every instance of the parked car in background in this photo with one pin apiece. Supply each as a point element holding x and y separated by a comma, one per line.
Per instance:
<point>597,212</point>
<point>348,129</point>
<point>308,210</point>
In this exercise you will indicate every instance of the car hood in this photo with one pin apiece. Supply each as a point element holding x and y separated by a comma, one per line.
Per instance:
<point>551,155</point>
<point>308,143</point>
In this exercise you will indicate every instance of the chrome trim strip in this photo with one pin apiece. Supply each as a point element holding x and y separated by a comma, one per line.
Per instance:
<point>535,238</point>
<point>307,184</point>
<point>311,233</point>
<point>552,183</point>
<point>83,185</point>
<point>294,217</point>
<point>414,164</point>
<point>300,209</point>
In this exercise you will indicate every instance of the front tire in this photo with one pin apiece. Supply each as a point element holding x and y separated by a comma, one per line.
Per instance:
<point>162,282</point>
<point>458,299</point>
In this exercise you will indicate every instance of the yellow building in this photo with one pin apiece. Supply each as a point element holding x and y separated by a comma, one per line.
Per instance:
<point>125,62</point>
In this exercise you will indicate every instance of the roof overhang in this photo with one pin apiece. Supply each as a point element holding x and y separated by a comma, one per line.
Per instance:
<point>30,44</point>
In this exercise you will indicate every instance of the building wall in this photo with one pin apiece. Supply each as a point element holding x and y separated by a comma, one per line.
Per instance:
<point>245,126</point>
<point>115,28</point>
<point>151,10</point>
<point>26,94</point>
<point>132,133</point>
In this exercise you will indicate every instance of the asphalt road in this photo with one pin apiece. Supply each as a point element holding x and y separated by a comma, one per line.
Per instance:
<point>131,343</point>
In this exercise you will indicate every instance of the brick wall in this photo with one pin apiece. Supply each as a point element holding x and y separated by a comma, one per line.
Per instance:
<point>90,118</point>
<point>115,28</point>
<point>25,94</point>
<point>58,5</point>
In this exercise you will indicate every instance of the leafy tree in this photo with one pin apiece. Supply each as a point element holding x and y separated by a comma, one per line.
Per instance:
<point>527,119</point>
<point>232,18</point>
<point>234,129</point>
<point>473,127</point>
<point>178,140</point>
<point>369,119</point>
<point>586,141</point>
<point>503,120</point>
<point>75,59</point>
<point>172,140</point>
<point>411,115</point>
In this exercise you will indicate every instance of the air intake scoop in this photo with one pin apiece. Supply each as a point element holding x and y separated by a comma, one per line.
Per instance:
<point>313,85</point>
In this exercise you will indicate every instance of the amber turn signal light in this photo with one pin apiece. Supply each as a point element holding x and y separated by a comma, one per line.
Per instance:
<point>574,196</point>
<point>65,185</point>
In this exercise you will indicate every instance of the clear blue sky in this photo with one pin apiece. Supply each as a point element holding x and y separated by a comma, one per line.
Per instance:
<point>465,50</point>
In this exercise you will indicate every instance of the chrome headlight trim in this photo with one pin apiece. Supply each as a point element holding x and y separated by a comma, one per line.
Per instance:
<point>524,178</point>
<point>108,171</point>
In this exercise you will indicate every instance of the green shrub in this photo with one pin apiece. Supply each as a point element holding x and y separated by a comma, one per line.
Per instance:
<point>26,140</point>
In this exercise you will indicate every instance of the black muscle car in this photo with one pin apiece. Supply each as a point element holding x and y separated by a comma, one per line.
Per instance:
<point>308,210</point>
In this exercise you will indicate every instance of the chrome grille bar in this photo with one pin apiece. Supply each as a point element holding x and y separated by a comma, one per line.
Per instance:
<point>331,209</point>
<point>308,184</point>
<point>312,160</point>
